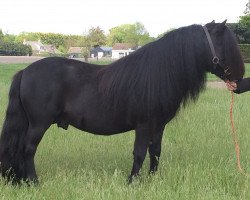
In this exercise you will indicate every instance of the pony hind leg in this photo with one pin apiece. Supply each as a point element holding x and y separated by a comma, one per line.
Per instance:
<point>155,150</point>
<point>32,140</point>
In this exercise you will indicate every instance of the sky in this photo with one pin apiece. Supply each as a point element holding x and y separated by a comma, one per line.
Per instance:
<point>77,16</point>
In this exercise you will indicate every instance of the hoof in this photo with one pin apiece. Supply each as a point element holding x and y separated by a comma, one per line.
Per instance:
<point>32,181</point>
<point>133,179</point>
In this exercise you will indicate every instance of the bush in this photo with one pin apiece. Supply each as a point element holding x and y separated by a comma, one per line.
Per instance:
<point>8,48</point>
<point>245,50</point>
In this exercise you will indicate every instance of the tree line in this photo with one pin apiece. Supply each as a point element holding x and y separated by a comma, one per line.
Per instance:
<point>242,28</point>
<point>134,34</point>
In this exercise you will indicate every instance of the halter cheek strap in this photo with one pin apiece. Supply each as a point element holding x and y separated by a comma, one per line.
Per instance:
<point>215,59</point>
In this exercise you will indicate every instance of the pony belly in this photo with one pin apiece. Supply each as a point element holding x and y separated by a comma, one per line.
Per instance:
<point>102,128</point>
<point>99,125</point>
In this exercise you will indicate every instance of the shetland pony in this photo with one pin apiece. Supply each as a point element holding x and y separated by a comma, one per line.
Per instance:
<point>142,91</point>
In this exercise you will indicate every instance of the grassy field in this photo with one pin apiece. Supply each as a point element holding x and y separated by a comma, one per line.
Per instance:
<point>197,162</point>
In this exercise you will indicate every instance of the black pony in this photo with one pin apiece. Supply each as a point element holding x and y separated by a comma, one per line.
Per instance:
<point>141,92</point>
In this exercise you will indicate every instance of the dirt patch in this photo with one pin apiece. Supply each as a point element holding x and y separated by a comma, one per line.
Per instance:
<point>216,84</point>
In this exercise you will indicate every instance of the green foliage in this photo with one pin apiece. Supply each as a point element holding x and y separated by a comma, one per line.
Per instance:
<point>9,38</point>
<point>1,35</point>
<point>244,25</point>
<point>86,52</point>
<point>96,37</point>
<point>9,48</point>
<point>72,41</point>
<point>244,28</point>
<point>93,38</point>
<point>46,38</point>
<point>28,36</point>
<point>62,42</point>
<point>134,34</point>
<point>247,10</point>
<point>167,31</point>
<point>62,49</point>
<point>86,46</point>
<point>245,49</point>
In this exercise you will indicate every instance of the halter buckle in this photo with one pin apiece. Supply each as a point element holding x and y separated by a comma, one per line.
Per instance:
<point>227,71</point>
<point>215,60</point>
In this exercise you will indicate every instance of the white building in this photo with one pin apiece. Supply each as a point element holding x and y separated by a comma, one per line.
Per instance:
<point>121,49</point>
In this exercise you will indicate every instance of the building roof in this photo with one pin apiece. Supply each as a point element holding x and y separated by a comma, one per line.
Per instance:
<point>104,48</point>
<point>50,48</point>
<point>122,46</point>
<point>38,46</point>
<point>101,49</point>
<point>35,45</point>
<point>75,50</point>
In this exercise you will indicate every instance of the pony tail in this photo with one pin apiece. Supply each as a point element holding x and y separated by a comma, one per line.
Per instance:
<point>12,137</point>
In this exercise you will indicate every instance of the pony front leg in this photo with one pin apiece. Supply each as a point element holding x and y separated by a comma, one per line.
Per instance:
<point>140,150</point>
<point>155,149</point>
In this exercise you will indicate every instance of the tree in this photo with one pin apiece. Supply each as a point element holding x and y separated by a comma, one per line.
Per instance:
<point>52,38</point>
<point>164,33</point>
<point>134,34</point>
<point>247,10</point>
<point>117,34</point>
<point>244,24</point>
<point>61,42</point>
<point>1,35</point>
<point>72,41</point>
<point>9,38</point>
<point>86,46</point>
<point>10,48</point>
<point>28,36</point>
<point>96,37</point>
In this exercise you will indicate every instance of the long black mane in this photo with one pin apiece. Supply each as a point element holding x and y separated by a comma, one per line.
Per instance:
<point>162,73</point>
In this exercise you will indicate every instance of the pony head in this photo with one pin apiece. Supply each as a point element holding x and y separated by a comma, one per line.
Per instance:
<point>226,60</point>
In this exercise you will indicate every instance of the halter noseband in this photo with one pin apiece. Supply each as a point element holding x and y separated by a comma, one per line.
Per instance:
<point>215,58</point>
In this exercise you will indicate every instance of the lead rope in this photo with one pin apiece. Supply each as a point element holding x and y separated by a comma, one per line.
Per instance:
<point>234,136</point>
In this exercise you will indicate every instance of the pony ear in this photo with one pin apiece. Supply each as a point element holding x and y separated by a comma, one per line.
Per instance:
<point>212,22</point>
<point>224,22</point>
<point>217,27</point>
<point>221,26</point>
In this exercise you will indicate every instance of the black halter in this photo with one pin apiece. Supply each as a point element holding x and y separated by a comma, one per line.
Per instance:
<point>215,59</point>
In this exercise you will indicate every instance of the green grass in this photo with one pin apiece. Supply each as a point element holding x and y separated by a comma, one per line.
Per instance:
<point>101,62</point>
<point>8,70</point>
<point>197,162</point>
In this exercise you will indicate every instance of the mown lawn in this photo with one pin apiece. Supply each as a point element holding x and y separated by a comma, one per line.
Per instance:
<point>197,162</point>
